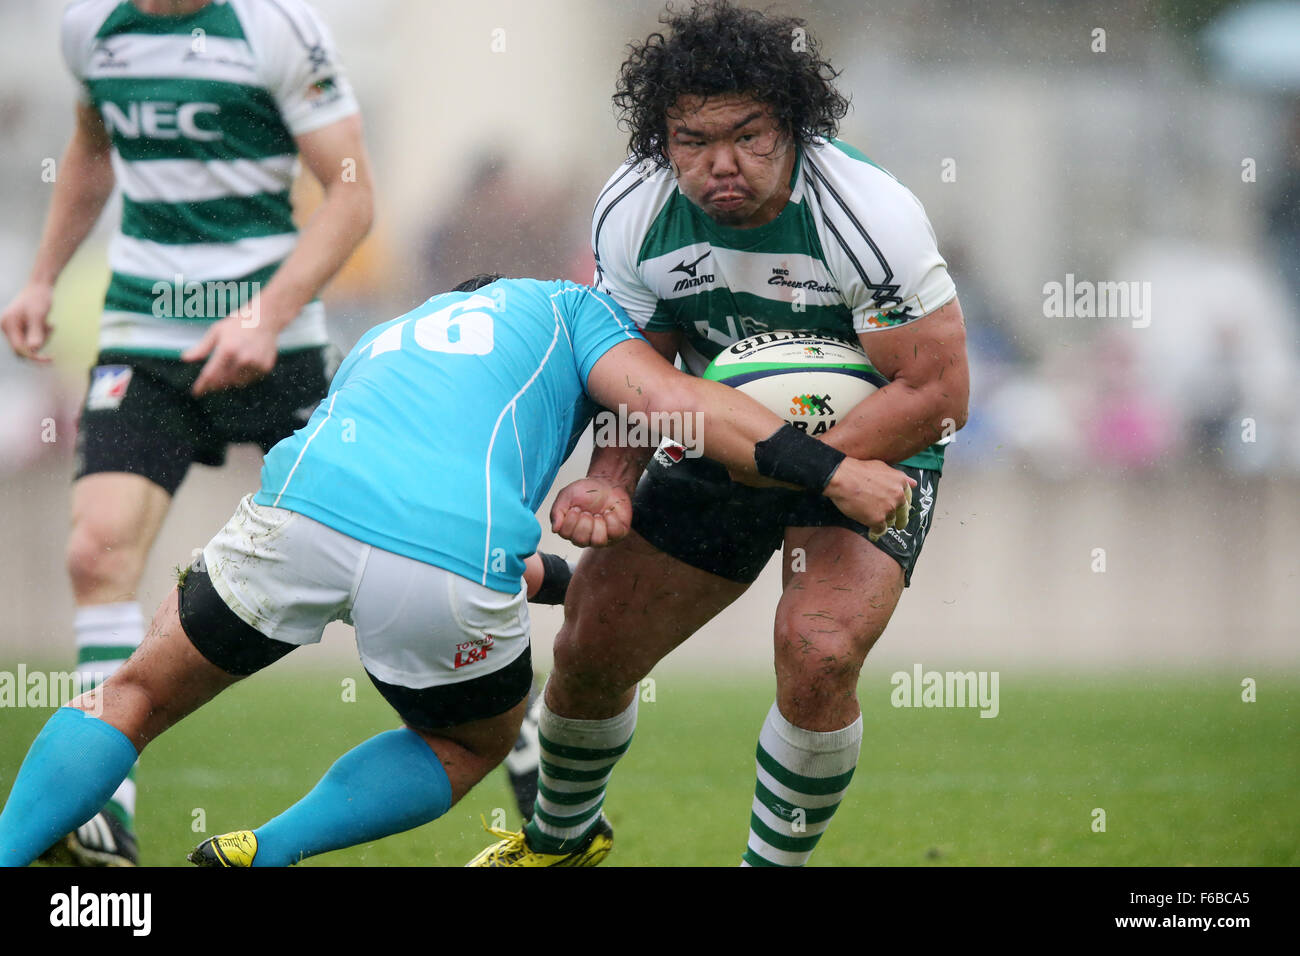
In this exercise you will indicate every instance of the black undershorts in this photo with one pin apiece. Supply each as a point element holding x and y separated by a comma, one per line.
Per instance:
<point>692,510</point>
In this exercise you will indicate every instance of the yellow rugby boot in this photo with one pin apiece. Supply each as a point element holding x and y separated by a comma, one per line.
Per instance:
<point>228,849</point>
<point>513,849</point>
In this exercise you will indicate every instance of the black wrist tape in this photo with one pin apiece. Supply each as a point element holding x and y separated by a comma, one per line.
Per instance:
<point>794,456</point>
<point>556,574</point>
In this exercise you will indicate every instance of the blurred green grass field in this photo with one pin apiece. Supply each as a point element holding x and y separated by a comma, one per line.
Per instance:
<point>1187,773</point>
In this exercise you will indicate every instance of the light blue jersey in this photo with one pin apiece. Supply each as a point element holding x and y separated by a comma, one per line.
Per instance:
<point>444,428</point>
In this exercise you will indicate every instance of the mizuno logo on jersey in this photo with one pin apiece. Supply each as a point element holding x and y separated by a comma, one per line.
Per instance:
<point>110,59</point>
<point>689,269</point>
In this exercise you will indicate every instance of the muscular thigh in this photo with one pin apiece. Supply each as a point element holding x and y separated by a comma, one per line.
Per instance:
<point>628,606</point>
<point>840,592</point>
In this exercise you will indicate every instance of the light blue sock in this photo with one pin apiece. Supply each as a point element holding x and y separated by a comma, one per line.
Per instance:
<point>72,768</point>
<point>388,784</point>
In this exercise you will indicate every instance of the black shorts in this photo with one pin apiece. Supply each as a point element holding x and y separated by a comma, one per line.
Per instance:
<point>140,417</point>
<point>690,509</point>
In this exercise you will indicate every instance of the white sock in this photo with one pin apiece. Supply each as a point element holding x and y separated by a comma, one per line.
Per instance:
<point>802,777</point>
<point>107,634</point>
<point>578,757</point>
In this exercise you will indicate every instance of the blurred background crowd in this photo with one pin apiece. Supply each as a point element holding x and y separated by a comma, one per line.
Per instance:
<point>1151,143</point>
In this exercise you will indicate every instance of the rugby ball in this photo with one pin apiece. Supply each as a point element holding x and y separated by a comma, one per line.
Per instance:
<point>808,379</point>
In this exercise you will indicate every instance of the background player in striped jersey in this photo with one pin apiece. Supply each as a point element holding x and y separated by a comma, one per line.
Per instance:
<point>407,511</point>
<point>739,213</point>
<point>211,331</point>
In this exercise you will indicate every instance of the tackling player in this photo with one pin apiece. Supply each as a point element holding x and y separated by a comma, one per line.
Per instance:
<point>406,507</point>
<point>211,332</point>
<point>739,213</point>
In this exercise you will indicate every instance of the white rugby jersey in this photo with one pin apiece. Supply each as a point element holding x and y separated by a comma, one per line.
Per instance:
<point>851,252</point>
<point>202,111</point>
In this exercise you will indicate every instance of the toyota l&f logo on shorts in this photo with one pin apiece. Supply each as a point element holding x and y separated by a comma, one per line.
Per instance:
<point>471,652</point>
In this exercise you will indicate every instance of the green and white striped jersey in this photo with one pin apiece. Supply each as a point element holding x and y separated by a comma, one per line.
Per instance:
<point>851,252</point>
<point>202,111</point>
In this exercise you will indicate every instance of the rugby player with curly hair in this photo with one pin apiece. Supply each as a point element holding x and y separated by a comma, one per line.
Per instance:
<point>738,213</point>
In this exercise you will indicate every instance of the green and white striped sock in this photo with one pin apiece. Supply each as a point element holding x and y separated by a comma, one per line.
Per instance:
<point>578,757</point>
<point>802,777</point>
<point>107,634</point>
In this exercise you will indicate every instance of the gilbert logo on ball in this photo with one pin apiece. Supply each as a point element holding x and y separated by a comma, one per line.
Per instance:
<point>808,378</point>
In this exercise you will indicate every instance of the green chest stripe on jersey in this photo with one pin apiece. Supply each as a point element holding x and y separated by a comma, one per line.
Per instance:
<point>215,20</point>
<point>202,302</point>
<point>680,224</point>
<point>715,318</point>
<point>161,118</point>
<point>213,220</point>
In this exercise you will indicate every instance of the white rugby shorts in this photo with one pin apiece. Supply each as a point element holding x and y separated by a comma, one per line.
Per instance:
<point>417,625</point>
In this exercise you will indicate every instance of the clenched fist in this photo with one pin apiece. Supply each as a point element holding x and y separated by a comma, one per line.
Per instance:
<point>592,512</point>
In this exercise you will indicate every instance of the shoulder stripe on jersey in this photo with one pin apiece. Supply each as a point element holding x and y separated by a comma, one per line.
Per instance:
<point>595,242</point>
<point>885,292</point>
<point>605,192</point>
<point>307,45</point>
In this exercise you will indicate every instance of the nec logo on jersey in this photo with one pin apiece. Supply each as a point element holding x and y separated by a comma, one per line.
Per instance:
<point>689,270</point>
<point>471,652</point>
<point>160,119</point>
<point>108,384</point>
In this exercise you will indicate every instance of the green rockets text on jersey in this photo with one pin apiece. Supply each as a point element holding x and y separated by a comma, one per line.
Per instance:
<point>851,252</point>
<point>201,111</point>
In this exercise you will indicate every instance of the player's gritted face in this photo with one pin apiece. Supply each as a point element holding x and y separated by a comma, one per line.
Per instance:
<point>731,158</point>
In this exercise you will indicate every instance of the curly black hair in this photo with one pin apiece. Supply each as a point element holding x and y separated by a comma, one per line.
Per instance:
<point>476,282</point>
<point>715,48</point>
